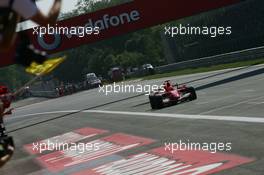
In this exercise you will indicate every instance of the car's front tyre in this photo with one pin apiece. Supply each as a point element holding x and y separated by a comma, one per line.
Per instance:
<point>193,95</point>
<point>156,102</point>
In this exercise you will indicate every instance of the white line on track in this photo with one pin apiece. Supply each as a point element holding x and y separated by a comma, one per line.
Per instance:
<point>182,116</point>
<point>256,103</point>
<point>158,115</point>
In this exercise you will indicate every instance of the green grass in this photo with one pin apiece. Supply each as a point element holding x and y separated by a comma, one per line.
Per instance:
<point>206,69</point>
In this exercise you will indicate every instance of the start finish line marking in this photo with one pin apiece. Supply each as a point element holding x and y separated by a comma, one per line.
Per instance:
<point>69,137</point>
<point>60,160</point>
<point>158,161</point>
<point>249,119</point>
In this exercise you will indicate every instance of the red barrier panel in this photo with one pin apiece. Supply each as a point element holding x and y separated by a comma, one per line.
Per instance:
<point>121,19</point>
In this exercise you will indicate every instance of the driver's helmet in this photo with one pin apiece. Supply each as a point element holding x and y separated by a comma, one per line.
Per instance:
<point>167,85</point>
<point>6,149</point>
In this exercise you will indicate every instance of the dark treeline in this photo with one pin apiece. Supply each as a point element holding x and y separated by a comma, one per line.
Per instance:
<point>246,20</point>
<point>13,76</point>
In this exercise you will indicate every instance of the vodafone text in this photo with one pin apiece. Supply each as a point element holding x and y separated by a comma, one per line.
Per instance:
<point>108,21</point>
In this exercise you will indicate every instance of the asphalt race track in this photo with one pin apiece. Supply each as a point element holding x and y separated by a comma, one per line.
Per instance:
<point>229,109</point>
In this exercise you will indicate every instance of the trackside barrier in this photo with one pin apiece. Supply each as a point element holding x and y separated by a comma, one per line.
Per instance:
<point>47,94</point>
<point>242,55</point>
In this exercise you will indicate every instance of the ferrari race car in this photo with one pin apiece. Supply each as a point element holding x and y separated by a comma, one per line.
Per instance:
<point>171,95</point>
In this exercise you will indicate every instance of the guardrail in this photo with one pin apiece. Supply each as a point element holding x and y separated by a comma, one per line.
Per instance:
<point>47,94</point>
<point>242,55</point>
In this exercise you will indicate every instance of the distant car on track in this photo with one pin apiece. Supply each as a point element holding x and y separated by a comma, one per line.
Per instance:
<point>92,81</point>
<point>148,69</point>
<point>116,74</point>
<point>171,95</point>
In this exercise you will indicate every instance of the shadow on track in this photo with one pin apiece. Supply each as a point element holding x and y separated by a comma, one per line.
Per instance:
<point>217,74</point>
<point>231,79</point>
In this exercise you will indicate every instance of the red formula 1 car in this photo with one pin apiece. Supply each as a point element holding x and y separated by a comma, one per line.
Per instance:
<point>171,95</point>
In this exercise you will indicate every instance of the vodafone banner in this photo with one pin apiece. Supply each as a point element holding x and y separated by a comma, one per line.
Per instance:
<point>119,20</point>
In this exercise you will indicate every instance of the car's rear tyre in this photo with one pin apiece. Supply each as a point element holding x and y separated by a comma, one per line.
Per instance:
<point>193,95</point>
<point>174,102</point>
<point>156,102</point>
